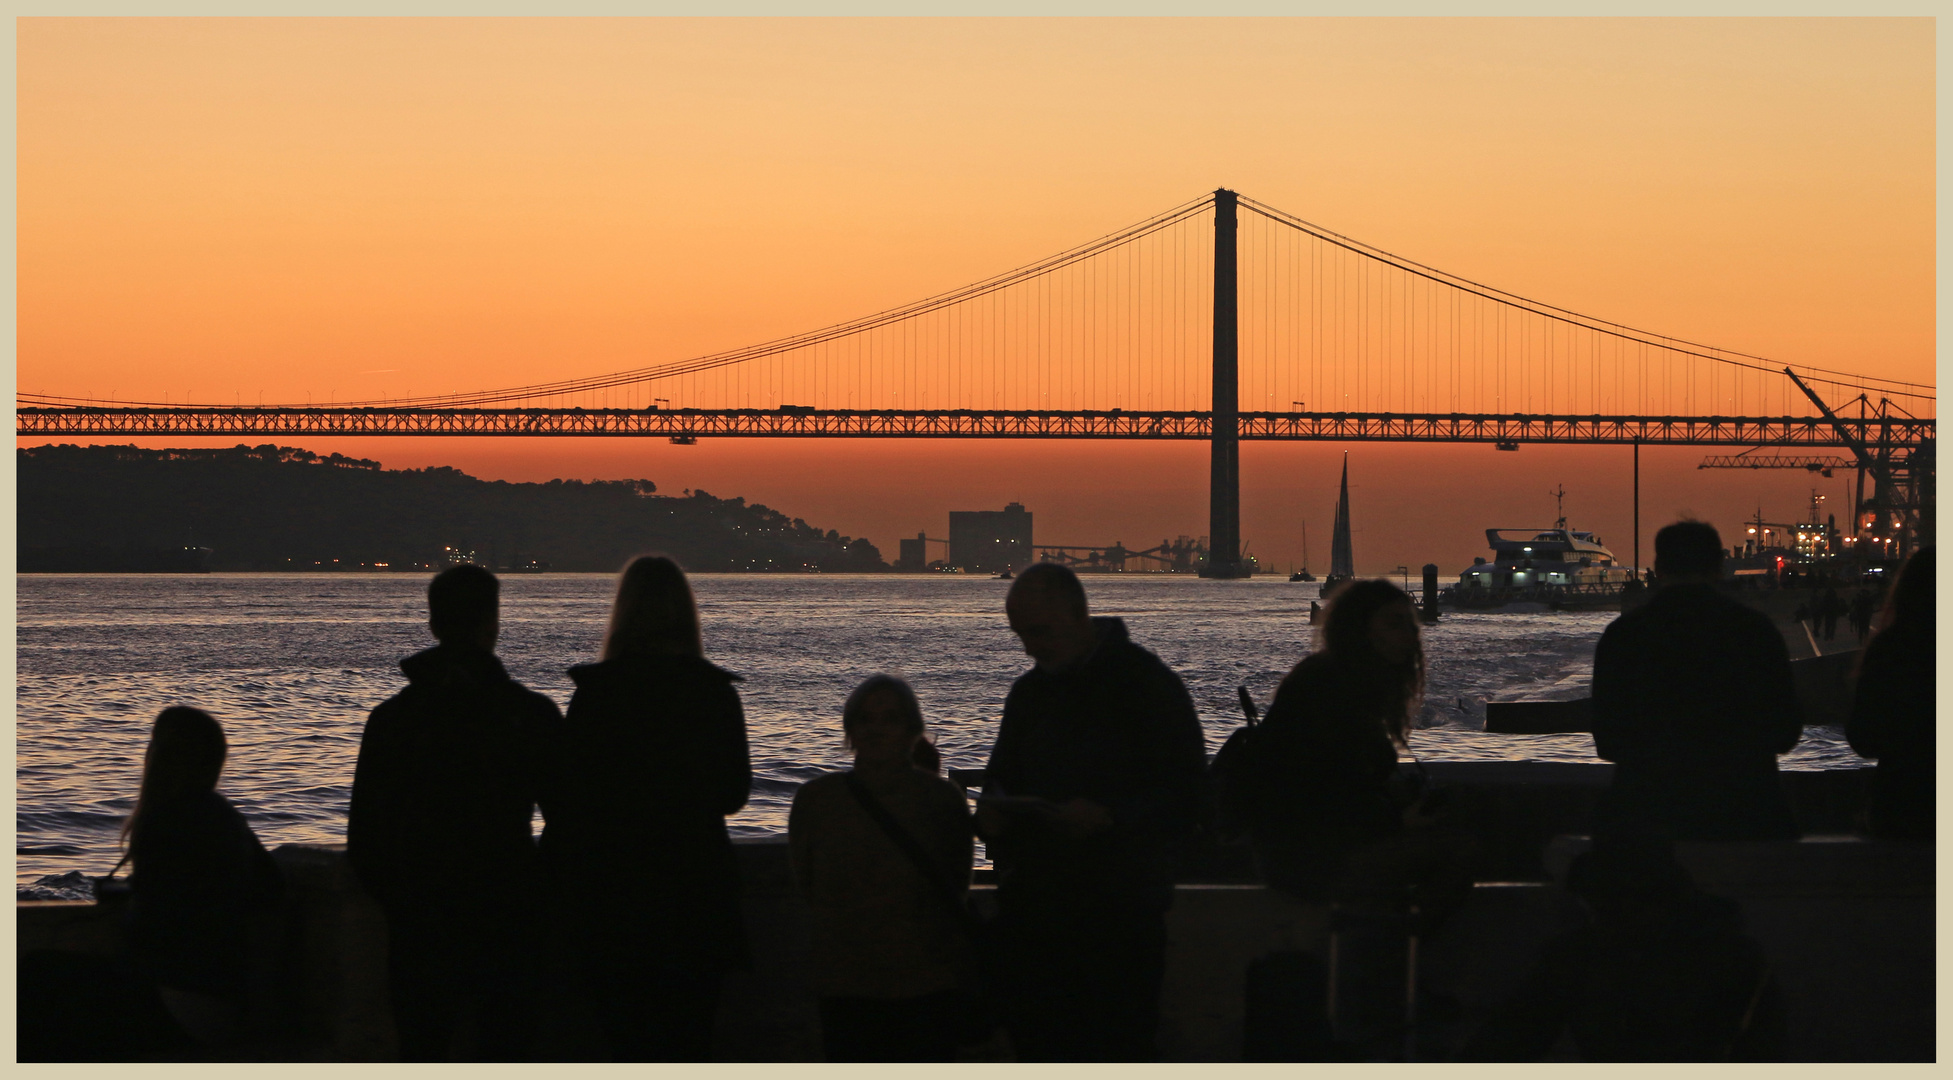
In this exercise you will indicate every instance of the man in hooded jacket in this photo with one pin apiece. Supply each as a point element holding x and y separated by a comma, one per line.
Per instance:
<point>439,832</point>
<point>1693,700</point>
<point>1095,776</point>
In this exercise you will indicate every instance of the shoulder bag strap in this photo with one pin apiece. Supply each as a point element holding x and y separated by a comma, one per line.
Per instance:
<point>932,871</point>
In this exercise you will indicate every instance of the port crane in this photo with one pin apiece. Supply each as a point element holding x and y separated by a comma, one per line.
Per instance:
<point>1901,500</point>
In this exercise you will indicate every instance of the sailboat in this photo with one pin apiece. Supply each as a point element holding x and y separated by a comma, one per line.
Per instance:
<point>1342,565</point>
<point>1303,574</point>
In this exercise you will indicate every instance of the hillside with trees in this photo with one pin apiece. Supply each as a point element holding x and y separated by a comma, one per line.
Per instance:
<point>281,508</point>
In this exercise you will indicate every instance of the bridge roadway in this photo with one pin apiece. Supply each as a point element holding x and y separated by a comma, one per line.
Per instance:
<point>793,422</point>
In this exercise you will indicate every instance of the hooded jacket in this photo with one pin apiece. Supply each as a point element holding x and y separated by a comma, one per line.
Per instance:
<point>1117,728</point>
<point>200,884</point>
<point>647,764</point>
<point>447,782</point>
<point>1693,701</point>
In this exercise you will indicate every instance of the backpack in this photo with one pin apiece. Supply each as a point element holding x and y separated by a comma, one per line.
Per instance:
<point>1230,780</point>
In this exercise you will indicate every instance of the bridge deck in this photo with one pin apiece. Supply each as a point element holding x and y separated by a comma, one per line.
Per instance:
<point>1790,431</point>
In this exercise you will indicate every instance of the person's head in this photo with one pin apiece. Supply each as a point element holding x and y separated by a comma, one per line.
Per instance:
<point>1047,612</point>
<point>1372,619</point>
<point>1373,623</point>
<point>1688,552</point>
<point>185,757</point>
<point>882,721</point>
<point>462,606</point>
<point>654,613</point>
<point>1911,599</point>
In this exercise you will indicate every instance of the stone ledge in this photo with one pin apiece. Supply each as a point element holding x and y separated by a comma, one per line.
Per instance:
<point>1849,927</point>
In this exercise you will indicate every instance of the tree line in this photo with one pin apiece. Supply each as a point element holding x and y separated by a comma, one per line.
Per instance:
<point>275,507</point>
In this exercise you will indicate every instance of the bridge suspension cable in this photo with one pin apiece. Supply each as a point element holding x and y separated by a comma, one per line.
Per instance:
<point>1326,324</point>
<point>1029,272</point>
<point>1574,318</point>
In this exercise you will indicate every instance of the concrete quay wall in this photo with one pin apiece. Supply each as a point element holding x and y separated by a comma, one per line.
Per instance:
<point>1847,924</point>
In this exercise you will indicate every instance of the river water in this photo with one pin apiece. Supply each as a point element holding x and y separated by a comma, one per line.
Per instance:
<point>291,664</point>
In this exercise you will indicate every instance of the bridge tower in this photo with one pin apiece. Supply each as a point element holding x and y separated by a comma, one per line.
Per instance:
<point>1224,483</point>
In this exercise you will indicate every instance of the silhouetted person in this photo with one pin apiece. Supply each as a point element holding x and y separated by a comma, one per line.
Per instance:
<point>1320,773</point>
<point>1863,604</point>
<point>1693,701</point>
<point>1660,972</point>
<point>202,888</point>
<point>1892,710</point>
<point>200,919</point>
<point>1095,775</point>
<point>652,757</point>
<point>439,832</point>
<point>882,856</point>
<point>1331,819</point>
<point>1829,608</point>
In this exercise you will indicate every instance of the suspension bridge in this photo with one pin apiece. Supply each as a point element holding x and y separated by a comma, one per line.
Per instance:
<point>1219,320</point>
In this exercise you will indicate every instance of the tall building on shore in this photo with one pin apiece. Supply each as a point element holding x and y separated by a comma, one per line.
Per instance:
<point>914,557</point>
<point>990,541</point>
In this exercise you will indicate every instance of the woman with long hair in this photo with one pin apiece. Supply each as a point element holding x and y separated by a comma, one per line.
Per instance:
<point>1892,708</point>
<point>882,855</point>
<point>650,760</point>
<point>1321,771</point>
<point>200,883</point>
<point>1332,818</point>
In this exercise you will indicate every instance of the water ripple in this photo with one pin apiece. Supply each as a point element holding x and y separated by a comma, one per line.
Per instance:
<point>292,663</point>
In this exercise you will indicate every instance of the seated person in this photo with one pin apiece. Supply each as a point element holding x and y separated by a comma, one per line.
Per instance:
<point>1693,701</point>
<point>1661,972</point>
<point>203,897</point>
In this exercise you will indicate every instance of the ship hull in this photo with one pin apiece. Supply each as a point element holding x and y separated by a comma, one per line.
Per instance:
<point>1594,597</point>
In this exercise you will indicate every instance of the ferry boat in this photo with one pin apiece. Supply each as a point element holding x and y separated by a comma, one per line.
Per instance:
<point>1558,567</point>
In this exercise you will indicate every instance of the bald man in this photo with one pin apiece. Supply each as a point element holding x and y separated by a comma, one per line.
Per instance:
<point>1094,778</point>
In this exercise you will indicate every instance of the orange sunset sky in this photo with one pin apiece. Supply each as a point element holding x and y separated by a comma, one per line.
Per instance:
<point>292,210</point>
